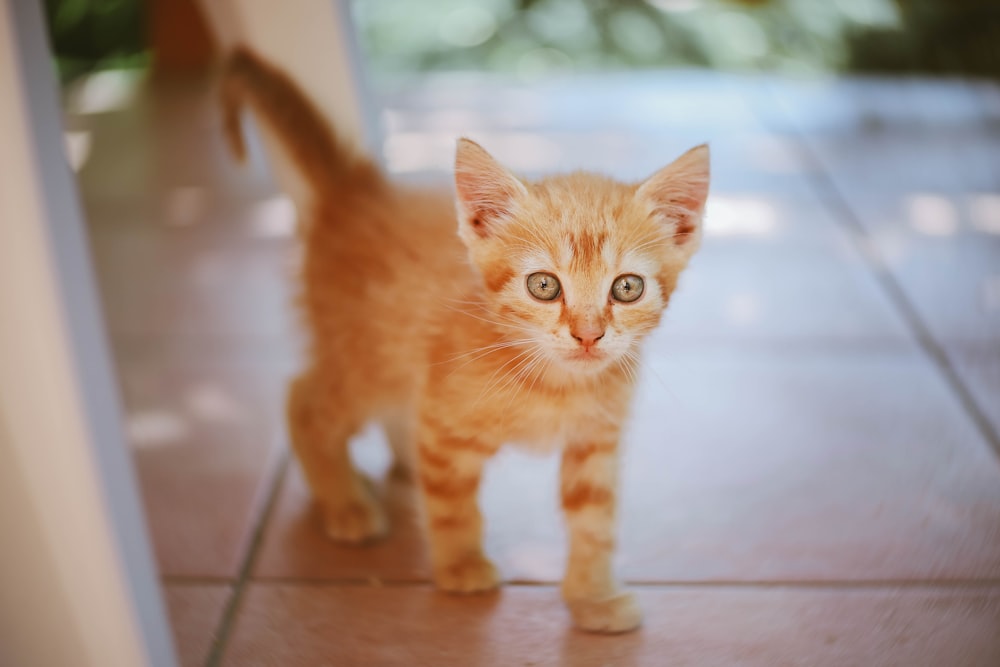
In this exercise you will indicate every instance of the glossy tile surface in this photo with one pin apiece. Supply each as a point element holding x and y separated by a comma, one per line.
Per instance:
<point>295,546</point>
<point>697,627</point>
<point>722,437</point>
<point>192,256</point>
<point>918,166</point>
<point>205,435</point>
<point>979,368</point>
<point>806,482</point>
<point>195,611</point>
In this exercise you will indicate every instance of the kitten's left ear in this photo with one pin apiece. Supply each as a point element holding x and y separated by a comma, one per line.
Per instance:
<point>677,194</point>
<point>487,193</point>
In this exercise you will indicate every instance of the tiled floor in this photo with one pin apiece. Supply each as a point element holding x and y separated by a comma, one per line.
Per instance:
<point>812,474</point>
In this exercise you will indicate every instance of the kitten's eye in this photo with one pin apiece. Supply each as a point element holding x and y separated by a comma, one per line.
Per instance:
<point>544,286</point>
<point>627,288</point>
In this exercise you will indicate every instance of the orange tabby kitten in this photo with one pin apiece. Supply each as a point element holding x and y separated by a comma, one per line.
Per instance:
<point>524,327</point>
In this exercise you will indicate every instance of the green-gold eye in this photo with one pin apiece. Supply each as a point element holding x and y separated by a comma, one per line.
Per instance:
<point>627,288</point>
<point>544,286</point>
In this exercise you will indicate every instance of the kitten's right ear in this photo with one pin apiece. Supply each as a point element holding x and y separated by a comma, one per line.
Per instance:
<point>487,193</point>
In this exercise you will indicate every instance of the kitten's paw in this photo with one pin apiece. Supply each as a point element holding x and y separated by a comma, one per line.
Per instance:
<point>473,574</point>
<point>358,520</point>
<point>618,613</point>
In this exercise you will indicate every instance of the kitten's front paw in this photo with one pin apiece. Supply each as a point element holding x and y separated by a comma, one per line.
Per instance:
<point>473,574</point>
<point>618,613</point>
<point>358,520</point>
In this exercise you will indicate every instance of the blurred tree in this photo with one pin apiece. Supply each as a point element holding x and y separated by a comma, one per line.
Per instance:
<point>938,36</point>
<point>87,34</point>
<point>531,36</point>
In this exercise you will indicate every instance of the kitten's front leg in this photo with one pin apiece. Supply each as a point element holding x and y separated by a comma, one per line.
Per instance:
<point>449,470</point>
<point>589,481</point>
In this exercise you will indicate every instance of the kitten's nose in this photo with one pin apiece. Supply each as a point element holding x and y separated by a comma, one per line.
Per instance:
<point>588,335</point>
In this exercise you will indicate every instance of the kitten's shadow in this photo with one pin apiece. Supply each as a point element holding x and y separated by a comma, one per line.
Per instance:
<point>396,558</point>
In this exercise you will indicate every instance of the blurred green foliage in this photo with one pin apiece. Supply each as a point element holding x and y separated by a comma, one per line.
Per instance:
<point>95,34</point>
<point>532,37</point>
<point>934,36</point>
<point>527,37</point>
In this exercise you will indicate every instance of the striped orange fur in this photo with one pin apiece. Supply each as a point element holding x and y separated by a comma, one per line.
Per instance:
<point>439,334</point>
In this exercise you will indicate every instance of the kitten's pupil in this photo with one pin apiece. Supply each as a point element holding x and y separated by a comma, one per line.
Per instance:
<point>627,288</point>
<point>543,286</point>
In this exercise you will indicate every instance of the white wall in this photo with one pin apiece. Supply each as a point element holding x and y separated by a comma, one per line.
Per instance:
<point>314,41</point>
<point>77,584</point>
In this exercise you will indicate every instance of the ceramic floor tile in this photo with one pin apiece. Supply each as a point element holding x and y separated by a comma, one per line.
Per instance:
<point>214,277</point>
<point>766,627</point>
<point>955,287</point>
<point>777,466</point>
<point>944,251</point>
<point>194,612</point>
<point>917,164</point>
<point>937,228</point>
<point>205,436</point>
<point>752,162</point>
<point>742,464</point>
<point>627,126</point>
<point>295,546</point>
<point>772,220</point>
<point>639,100</point>
<point>744,290</point>
<point>856,465</point>
<point>979,368</point>
<point>868,105</point>
<point>925,160</point>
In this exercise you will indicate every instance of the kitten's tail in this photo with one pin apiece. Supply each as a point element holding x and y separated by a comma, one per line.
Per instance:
<point>294,120</point>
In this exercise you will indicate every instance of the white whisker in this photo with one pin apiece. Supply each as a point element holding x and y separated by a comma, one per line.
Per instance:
<point>502,371</point>
<point>493,347</point>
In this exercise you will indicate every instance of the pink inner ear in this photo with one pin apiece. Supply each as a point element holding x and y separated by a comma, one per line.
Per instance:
<point>681,207</point>
<point>480,212</point>
<point>678,192</point>
<point>685,210</point>
<point>486,191</point>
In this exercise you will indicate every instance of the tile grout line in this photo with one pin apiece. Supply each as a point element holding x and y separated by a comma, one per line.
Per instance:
<point>195,580</point>
<point>860,584</point>
<point>831,197</point>
<point>228,619</point>
<point>925,339</point>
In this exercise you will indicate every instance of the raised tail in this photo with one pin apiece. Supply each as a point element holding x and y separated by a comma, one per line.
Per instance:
<point>294,120</point>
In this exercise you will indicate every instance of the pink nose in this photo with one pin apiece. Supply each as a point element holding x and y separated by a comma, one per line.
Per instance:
<point>588,336</point>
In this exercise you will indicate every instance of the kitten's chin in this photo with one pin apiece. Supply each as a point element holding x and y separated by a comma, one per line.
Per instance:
<point>580,362</point>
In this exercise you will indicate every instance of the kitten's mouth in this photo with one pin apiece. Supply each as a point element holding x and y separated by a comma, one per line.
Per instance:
<point>588,355</point>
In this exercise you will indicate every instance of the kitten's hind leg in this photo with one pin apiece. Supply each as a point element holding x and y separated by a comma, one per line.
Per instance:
<point>321,419</point>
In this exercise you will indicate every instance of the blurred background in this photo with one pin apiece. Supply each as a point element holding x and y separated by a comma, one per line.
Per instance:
<point>529,38</point>
<point>812,466</point>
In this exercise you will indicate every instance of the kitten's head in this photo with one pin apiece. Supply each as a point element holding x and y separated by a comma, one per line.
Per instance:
<point>579,266</point>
